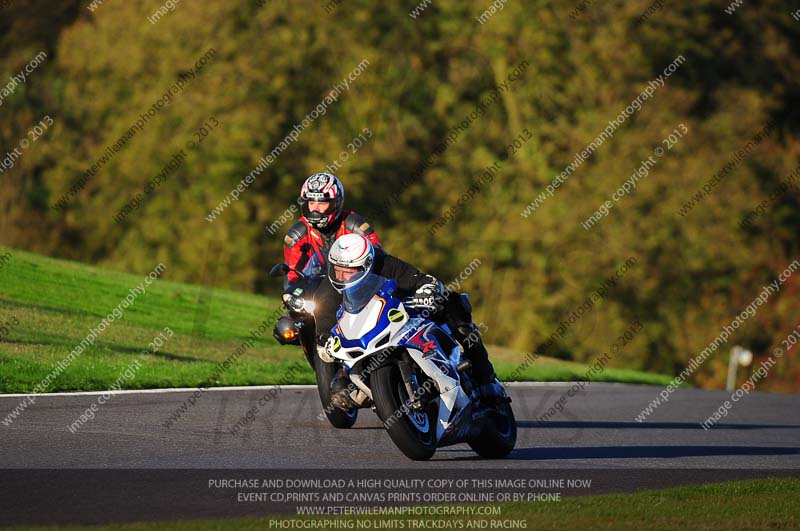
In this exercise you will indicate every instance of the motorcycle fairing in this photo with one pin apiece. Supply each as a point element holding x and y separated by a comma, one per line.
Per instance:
<point>371,331</point>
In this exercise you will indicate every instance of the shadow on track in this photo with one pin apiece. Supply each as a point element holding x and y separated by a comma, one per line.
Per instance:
<point>649,425</point>
<point>632,452</point>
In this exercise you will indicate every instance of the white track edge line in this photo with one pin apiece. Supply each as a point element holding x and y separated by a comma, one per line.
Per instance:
<point>250,388</point>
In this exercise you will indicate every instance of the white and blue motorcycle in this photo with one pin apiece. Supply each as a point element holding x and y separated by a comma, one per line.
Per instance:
<point>412,372</point>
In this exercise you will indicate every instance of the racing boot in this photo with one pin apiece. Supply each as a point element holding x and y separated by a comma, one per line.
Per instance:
<point>484,378</point>
<point>491,392</point>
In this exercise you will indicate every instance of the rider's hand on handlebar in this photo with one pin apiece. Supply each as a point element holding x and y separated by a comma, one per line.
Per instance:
<point>428,297</point>
<point>323,350</point>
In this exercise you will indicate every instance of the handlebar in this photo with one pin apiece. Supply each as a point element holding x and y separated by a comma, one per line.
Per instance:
<point>408,302</point>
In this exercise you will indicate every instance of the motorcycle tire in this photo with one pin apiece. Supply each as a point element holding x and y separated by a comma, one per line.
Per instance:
<point>499,434</point>
<point>337,417</point>
<point>406,429</point>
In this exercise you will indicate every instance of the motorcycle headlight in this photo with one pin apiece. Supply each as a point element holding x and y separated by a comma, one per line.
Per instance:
<point>295,303</point>
<point>309,306</point>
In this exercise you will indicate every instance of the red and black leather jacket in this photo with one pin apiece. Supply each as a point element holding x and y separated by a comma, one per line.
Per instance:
<point>306,248</point>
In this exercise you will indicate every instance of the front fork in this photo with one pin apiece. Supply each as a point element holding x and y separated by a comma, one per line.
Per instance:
<point>418,394</point>
<point>412,387</point>
<point>308,339</point>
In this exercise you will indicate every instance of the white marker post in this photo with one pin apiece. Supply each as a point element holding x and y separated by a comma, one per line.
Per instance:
<point>739,356</point>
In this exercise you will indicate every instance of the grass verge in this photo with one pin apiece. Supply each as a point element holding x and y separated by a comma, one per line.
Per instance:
<point>48,306</point>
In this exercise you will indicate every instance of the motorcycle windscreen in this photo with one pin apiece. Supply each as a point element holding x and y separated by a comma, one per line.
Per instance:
<point>355,298</point>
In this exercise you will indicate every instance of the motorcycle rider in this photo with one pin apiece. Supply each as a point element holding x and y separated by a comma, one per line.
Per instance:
<point>324,219</point>
<point>352,258</point>
<point>306,245</point>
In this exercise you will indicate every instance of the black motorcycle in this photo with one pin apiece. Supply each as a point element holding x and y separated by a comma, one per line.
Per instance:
<point>298,327</point>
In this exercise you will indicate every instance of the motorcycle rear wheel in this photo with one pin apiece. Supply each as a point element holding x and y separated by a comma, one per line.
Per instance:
<point>499,435</point>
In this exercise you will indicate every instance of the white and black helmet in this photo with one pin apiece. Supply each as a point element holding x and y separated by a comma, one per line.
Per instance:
<point>350,251</point>
<point>322,187</point>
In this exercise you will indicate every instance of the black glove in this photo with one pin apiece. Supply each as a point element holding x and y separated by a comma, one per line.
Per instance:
<point>324,344</point>
<point>323,337</point>
<point>429,297</point>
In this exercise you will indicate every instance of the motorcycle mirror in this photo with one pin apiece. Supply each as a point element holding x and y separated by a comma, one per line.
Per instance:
<point>279,270</point>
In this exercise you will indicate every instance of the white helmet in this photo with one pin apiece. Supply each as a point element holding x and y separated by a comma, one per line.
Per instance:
<point>350,261</point>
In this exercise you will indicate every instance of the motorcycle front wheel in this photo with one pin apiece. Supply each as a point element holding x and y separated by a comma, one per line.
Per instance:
<point>413,432</point>
<point>337,417</point>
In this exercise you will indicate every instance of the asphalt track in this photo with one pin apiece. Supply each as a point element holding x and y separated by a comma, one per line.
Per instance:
<point>595,435</point>
<point>595,429</point>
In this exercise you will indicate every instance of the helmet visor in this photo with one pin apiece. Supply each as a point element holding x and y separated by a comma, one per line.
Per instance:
<point>356,297</point>
<point>343,277</point>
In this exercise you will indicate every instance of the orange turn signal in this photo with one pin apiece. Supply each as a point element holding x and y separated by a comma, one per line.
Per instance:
<point>289,334</point>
